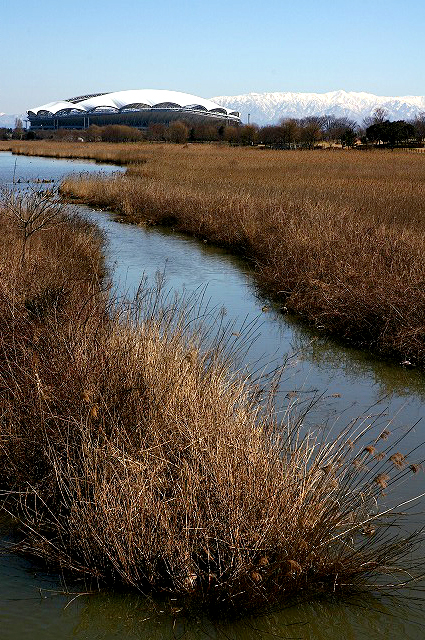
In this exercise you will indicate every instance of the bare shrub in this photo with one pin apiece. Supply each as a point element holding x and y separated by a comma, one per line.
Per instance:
<point>31,211</point>
<point>177,132</point>
<point>120,133</point>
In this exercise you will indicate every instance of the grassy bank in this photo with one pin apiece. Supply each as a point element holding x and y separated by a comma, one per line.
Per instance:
<point>337,236</point>
<point>132,452</point>
<point>116,153</point>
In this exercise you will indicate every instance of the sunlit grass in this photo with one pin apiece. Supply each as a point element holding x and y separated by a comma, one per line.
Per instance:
<point>336,236</point>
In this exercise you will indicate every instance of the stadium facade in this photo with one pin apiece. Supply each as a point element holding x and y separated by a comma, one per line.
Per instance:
<point>136,108</point>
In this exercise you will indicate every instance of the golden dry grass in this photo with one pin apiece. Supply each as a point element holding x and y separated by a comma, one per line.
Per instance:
<point>131,451</point>
<point>103,152</point>
<point>337,236</point>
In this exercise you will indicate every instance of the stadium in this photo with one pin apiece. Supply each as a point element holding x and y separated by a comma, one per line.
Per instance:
<point>136,108</point>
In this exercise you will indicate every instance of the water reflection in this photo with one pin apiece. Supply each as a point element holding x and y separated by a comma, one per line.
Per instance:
<point>387,377</point>
<point>21,170</point>
<point>104,617</point>
<point>350,381</point>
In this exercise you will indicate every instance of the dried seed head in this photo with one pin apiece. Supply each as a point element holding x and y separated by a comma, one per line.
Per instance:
<point>191,356</point>
<point>398,460</point>
<point>382,480</point>
<point>380,456</point>
<point>94,411</point>
<point>369,449</point>
<point>415,468</point>
<point>190,581</point>
<point>263,562</point>
<point>256,576</point>
<point>294,566</point>
<point>327,469</point>
<point>368,530</point>
<point>87,396</point>
<point>384,435</point>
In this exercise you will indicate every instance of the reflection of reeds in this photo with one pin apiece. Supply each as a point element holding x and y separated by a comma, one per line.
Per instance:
<point>131,450</point>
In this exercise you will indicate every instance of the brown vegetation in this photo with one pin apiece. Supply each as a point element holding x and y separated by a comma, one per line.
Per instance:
<point>131,452</point>
<point>338,237</point>
<point>107,152</point>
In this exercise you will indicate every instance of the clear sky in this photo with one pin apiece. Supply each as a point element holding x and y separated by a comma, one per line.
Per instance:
<point>52,50</point>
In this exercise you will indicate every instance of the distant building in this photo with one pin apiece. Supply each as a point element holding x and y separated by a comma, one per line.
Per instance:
<point>136,108</point>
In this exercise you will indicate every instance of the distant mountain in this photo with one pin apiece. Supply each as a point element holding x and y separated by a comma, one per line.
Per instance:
<point>269,108</point>
<point>8,121</point>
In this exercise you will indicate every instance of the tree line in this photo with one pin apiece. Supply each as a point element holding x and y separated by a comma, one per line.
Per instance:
<point>289,133</point>
<point>310,131</point>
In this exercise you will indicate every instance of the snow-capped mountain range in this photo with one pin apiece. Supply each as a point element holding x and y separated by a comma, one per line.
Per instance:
<point>8,121</point>
<point>269,108</point>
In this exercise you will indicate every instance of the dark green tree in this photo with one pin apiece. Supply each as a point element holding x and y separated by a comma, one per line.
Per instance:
<point>348,138</point>
<point>390,133</point>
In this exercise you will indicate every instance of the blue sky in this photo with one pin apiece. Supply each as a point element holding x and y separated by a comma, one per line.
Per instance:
<point>52,50</point>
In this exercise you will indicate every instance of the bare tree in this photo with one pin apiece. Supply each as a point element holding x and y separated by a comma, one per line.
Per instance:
<point>311,130</point>
<point>335,129</point>
<point>31,211</point>
<point>232,134</point>
<point>379,115</point>
<point>249,134</point>
<point>18,131</point>
<point>419,124</point>
<point>290,130</point>
<point>156,131</point>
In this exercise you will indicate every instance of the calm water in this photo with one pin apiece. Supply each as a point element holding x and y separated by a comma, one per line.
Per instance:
<point>346,382</point>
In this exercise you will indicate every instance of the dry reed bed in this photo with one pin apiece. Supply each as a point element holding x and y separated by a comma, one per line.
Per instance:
<point>338,237</point>
<point>105,152</point>
<point>131,451</point>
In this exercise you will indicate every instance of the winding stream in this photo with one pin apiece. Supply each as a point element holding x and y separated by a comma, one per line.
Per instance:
<point>346,383</point>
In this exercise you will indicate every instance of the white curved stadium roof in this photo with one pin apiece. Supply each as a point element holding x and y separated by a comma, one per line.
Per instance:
<point>149,98</point>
